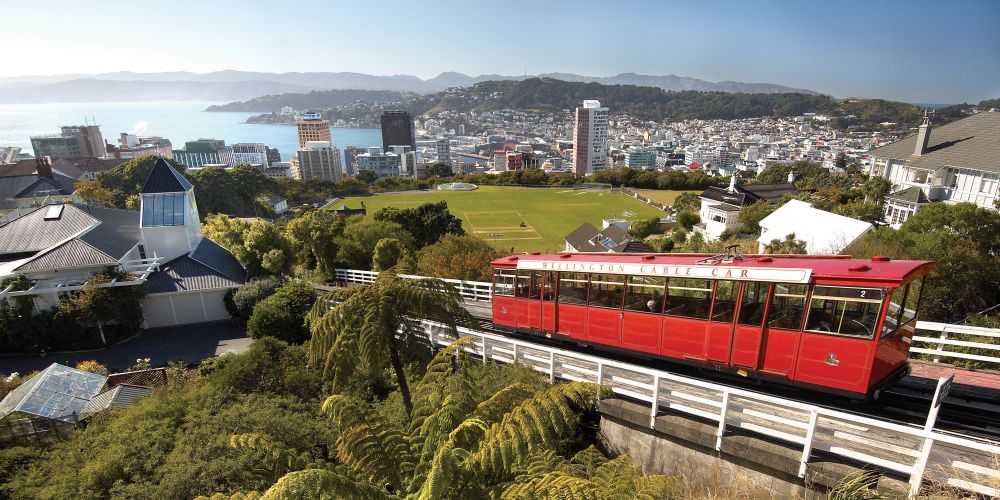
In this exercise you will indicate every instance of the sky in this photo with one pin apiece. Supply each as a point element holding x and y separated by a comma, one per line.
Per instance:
<point>920,51</point>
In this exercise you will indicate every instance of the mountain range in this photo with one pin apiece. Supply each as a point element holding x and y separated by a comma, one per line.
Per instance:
<point>238,85</point>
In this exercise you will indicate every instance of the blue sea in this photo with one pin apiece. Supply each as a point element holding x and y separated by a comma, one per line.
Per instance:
<point>177,121</point>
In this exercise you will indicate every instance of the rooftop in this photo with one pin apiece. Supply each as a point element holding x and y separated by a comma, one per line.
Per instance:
<point>972,142</point>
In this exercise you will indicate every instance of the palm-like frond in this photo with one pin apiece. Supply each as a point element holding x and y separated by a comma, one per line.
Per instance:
<point>555,484</point>
<point>276,458</point>
<point>322,484</point>
<point>368,444</point>
<point>535,422</point>
<point>586,462</point>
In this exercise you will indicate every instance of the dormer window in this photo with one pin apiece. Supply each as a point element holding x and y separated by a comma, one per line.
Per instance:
<point>163,209</point>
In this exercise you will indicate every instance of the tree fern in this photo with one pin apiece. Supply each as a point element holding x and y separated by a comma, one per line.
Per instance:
<point>322,484</point>
<point>368,444</point>
<point>276,458</point>
<point>379,325</point>
<point>535,422</point>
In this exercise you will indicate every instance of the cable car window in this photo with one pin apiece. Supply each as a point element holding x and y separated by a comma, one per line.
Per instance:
<point>549,287</point>
<point>903,306</point>
<point>573,288</point>
<point>688,298</point>
<point>523,284</point>
<point>725,301</point>
<point>536,285</point>
<point>846,311</point>
<point>607,290</point>
<point>753,304</point>
<point>788,306</point>
<point>645,294</point>
<point>503,282</point>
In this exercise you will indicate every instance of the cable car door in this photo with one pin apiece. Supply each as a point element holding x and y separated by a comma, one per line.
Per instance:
<point>722,321</point>
<point>548,282</point>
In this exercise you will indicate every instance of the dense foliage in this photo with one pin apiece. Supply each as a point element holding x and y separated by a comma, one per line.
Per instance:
<point>281,314</point>
<point>230,191</point>
<point>241,301</point>
<point>427,223</point>
<point>465,257</point>
<point>85,318</point>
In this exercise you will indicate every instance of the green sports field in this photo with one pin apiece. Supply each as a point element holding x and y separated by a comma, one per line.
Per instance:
<point>548,214</point>
<point>667,197</point>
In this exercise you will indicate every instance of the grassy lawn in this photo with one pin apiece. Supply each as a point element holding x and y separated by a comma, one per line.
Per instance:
<point>666,197</point>
<point>547,214</point>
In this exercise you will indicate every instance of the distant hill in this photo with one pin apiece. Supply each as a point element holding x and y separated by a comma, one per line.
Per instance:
<point>245,84</point>
<point>647,103</point>
<point>318,99</point>
<point>94,90</point>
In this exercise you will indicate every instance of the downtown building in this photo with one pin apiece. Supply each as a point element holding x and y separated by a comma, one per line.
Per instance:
<point>397,130</point>
<point>312,127</point>
<point>317,160</point>
<point>132,146</point>
<point>381,163</point>
<point>590,136</point>
<point>251,153</point>
<point>71,142</point>
<point>197,154</point>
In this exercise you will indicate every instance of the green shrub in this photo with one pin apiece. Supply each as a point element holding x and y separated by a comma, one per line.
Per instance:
<point>241,301</point>
<point>282,315</point>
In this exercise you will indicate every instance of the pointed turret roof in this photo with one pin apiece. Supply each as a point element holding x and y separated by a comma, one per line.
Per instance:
<point>165,179</point>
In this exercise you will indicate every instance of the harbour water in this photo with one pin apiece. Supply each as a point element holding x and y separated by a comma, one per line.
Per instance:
<point>177,121</point>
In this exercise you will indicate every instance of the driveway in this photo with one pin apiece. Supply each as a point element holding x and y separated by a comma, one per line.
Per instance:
<point>191,343</point>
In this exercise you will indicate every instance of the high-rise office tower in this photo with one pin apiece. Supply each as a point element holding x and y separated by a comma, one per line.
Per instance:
<point>318,160</point>
<point>590,136</point>
<point>397,130</point>
<point>312,127</point>
<point>72,141</point>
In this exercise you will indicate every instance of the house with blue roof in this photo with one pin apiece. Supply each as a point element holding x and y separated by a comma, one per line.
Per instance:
<point>58,247</point>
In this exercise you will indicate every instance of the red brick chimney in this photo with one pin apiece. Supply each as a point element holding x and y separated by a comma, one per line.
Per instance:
<point>43,167</point>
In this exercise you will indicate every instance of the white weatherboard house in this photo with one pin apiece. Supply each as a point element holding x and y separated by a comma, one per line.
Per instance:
<point>58,247</point>
<point>957,162</point>
<point>823,232</point>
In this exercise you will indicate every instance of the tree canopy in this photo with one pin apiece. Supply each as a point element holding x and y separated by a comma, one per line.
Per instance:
<point>464,257</point>
<point>427,222</point>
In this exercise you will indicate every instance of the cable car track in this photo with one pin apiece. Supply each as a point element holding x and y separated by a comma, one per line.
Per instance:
<point>970,418</point>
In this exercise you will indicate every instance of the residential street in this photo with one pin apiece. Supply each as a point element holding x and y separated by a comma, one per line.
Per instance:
<point>191,343</point>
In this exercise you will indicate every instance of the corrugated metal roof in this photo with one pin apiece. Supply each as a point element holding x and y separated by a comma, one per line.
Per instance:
<point>70,254</point>
<point>972,142</point>
<point>214,256</point>
<point>118,232</point>
<point>164,179</point>
<point>186,274</point>
<point>32,233</point>
<point>121,396</point>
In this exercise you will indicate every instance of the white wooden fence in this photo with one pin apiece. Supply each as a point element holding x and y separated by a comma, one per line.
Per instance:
<point>953,335</point>
<point>959,461</point>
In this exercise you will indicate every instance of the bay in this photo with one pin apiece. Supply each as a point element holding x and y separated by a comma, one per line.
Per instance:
<point>177,121</point>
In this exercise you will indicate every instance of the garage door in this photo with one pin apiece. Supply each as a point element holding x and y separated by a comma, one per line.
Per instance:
<point>169,309</point>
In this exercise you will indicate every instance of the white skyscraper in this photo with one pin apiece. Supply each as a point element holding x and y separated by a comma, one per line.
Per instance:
<point>590,136</point>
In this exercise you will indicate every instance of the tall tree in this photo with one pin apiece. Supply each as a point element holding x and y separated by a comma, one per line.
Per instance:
<point>464,257</point>
<point>313,234</point>
<point>356,245</point>
<point>389,252</point>
<point>789,245</point>
<point>127,179</point>
<point>427,222</point>
<point>379,324</point>
<point>91,191</point>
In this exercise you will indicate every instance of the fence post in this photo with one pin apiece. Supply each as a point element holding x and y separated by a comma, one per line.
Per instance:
<point>943,387</point>
<point>514,353</point>
<point>656,401</point>
<point>722,420</point>
<point>552,367</point>
<point>807,448</point>
<point>484,346</point>
<point>940,347</point>
<point>600,373</point>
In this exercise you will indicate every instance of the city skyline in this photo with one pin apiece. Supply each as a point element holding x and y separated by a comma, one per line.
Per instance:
<point>921,51</point>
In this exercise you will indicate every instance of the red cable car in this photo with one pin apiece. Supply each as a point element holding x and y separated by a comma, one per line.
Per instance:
<point>833,324</point>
